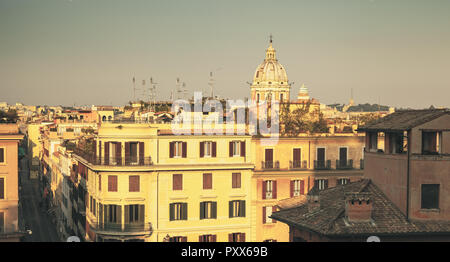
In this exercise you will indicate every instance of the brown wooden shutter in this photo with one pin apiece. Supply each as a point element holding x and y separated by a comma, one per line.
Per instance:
<point>127,214</point>
<point>207,181</point>
<point>134,184</point>
<point>200,238</point>
<point>202,149</point>
<point>230,237</point>
<point>141,153</point>
<point>274,189</point>
<point>127,153</point>
<point>264,188</point>
<point>213,238</point>
<point>292,187</point>
<point>119,214</point>
<point>183,239</point>
<point>243,148</point>
<point>264,215</point>
<point>242,208</point>
<point>242,237</point>
<point>119,153</point>
<point>2,155</point>
<point>95,148</point>
<point>184,150</point>
<point>177,182</point>
<point>106,153</point>
<point>171,149</point>
<point>142,213</point>
<point>2,188</point>
<point>302,187</point>
<point>184,211</point>
<point>100,182</point>
<point>214,210</point>
<point>214,149</point>
<point>230,208</point>
<point>112,183</point>
<point>297,154</point>
<point>274,209</point>
<point>100,150</point>
<point>231,149</point>
<point>172,211</point>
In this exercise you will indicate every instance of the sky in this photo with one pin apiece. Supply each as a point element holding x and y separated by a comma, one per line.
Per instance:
<point>85,52</point>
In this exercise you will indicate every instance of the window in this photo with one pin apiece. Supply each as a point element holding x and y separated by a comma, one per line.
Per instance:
<point>208,149</point>
<point>207,181</point>
<point>177,183</point>
<point>269,189</point>
<point>237,148</point>
<point>131,152</point>
<point>134,184</point>
<point>207,238</point>
<point>236,180</point>
<point>112,183</point>
<point>99,182</point>
<point>237,208</point>
<point>178,149</point>
<point>2,222</point>
<point>2,188</point>
<point>297,158</point>
<point>208,210</point>
<point>431,142</point>
<point>113,214</point>
<point>321,184</point>
<point>236,237</point>
<point>178,239</point>
<point>134,213</point>
<point>343,181</point>
<point>281,97</point>
<point>178,211</point>
<point>267,212</point>
<point>2,155</point>
<point>297,188</point>
<point>430,196</point>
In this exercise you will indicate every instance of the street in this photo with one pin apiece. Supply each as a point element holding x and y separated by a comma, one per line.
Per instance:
<point>35,218</point>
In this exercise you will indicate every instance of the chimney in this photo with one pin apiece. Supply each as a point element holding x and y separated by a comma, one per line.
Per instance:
<point>358,207</point>
<point>313,199</point>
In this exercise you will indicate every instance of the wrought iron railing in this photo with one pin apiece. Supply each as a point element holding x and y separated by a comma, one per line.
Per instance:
<point>270,164</point>
<point>322,164</point>
<point>344,164</point>
<point>298,164</point>
<point>122,228</point>
<point>114,161</point>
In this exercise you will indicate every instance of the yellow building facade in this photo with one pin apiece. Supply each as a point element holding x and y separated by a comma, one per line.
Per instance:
<point>147,184</point>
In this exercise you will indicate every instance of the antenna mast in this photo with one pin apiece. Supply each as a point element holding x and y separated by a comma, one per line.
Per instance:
<point>211,84</point>
<point>152,94</point>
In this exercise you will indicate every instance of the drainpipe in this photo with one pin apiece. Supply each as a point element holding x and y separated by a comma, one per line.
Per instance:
<point>407,175</point>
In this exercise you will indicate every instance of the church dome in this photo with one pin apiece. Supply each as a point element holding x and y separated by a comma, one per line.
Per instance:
<point>270,72</point>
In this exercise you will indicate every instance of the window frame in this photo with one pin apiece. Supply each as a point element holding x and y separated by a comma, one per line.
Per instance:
<point>430,207</point>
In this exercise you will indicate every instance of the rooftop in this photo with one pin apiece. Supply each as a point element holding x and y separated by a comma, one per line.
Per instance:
<point>330,220</point>
<point>405,119</point>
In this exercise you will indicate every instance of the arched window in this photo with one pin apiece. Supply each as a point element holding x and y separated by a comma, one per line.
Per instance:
<point>104,118</point>
<point>109,118</point>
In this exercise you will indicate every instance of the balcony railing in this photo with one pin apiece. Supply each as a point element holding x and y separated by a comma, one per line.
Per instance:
<point>322,164</point>
<point>344,164</point>
<point>114,161</point>
<point>270,164</point>
<point>122,228</point>
<point>297,164</point>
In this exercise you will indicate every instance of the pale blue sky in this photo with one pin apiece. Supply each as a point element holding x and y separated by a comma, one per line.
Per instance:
<point>87,51</point>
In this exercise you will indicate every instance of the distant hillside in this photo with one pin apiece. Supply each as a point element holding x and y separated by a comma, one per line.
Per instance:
<point>362,107</point>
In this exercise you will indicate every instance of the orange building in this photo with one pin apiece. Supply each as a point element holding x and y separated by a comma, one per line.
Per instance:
<point>9,182</point>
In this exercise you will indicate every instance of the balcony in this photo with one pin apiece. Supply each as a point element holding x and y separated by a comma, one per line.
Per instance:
<point>297,164</point>
<point>120,229</point>
<point>322,164</point>
<point>344,164</point>
<point>270,165</point>
<point>114,161</point>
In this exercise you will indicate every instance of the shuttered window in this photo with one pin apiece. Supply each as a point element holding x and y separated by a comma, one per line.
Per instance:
<point>112,183</point>
<point>178,211</point>
<point>236,237</point>
<point>207,181</point>
<point>178,149</point>
<point>134,214</point>
<point>2,222</point>
<point>177,183</point>
<point>269,189</point>
<point>297,188</point>
<point>236,180</point>
<point>134,184</point>
<point>237,148</point>
<point>2,155</point>
<point>207,238</point>
<point>178,239</point>
<point>208,210</point>
<point>237,208</point>
<point>2,188</point>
